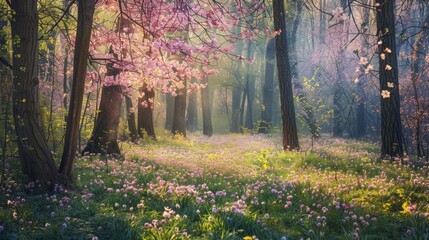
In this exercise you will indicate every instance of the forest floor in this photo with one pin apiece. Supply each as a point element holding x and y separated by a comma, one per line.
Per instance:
<point>225,187</point>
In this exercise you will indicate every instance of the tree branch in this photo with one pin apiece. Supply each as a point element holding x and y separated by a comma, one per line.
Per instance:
<point>6,62</point>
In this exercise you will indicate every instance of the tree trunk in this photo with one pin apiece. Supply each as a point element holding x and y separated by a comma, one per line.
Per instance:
<point>391,127</point>
<point>307,109</point>
<point>267,94</point>
<point>361,118</point>
<point>105,134</point>
<point>250,87</point>
<point>237,88</point>
<point>338,118</point>
<point>169,111</point>
<point>36,159</point>
<point>83,36</point>
<point>192,113</point>
<point>206,109</point>
<point>5,71</point>
<point>179,117</point>
<point>131,119</point>
<point>290,135</point>
<point>145,112</point>
<point>235,108</point>
<point>417,59</point>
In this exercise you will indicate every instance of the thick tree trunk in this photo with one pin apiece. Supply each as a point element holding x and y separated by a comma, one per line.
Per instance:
<point>85,18</point>
<point>391,127</point>
<point>36,159</point>
<point>104,139</point>
<point>206,109</point>
<point>290,135</point>
<point>268,90</point>
<point>179,117</point>
<point>192,113</point>
<point>131,119</point>
<point>145,112</point>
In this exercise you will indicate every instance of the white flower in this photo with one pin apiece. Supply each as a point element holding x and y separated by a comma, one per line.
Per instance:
<point>369,68</point>
<point>385,94</point>
<point>387,50</point>
<point>382,56</point>
<point>363,61</point>
<point>390,84</point>
<point>388,67</point>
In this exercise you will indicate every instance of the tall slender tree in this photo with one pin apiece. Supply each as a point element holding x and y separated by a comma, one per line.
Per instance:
<point>391,127</point>
<point>290,134</point>
<point>85,18</point>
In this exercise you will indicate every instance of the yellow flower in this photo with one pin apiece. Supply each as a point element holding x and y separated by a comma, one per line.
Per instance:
<point>247,238</point>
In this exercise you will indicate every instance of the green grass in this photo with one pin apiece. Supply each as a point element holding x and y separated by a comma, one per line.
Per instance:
<point>225,187</point>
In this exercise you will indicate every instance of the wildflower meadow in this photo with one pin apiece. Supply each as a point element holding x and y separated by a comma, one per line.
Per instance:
<point>225,187</point>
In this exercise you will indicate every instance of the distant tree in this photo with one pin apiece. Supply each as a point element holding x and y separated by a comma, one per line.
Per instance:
<point>192,113</point>
<point>417,88</point>
<point>179,114</point>
<point>391,127</point>
<point>290,134</point>
<point>206,109</point>
<point>169,110</point>
<point>131,119</point>
<point>250,85</point>
<point>268,89</point>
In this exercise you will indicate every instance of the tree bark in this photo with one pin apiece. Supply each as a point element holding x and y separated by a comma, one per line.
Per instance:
<point>192,113</point>
<point>145,113</point>
<point>206,109</point>
<point>169,111</point>
<point>179,116</point>
<point>5,70</point>
<point>131,119</point>
<point>235,108</point>
<point>391,127</point>
<point>268,90</point>
<point>81,53</point>
<point>105,134</point>
<point>250,87</point>
<point>237,89</point>
<point>36,159</point>
<point>290,135</point>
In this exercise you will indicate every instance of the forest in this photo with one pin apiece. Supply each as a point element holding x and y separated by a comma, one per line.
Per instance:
<point>214,119</point>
